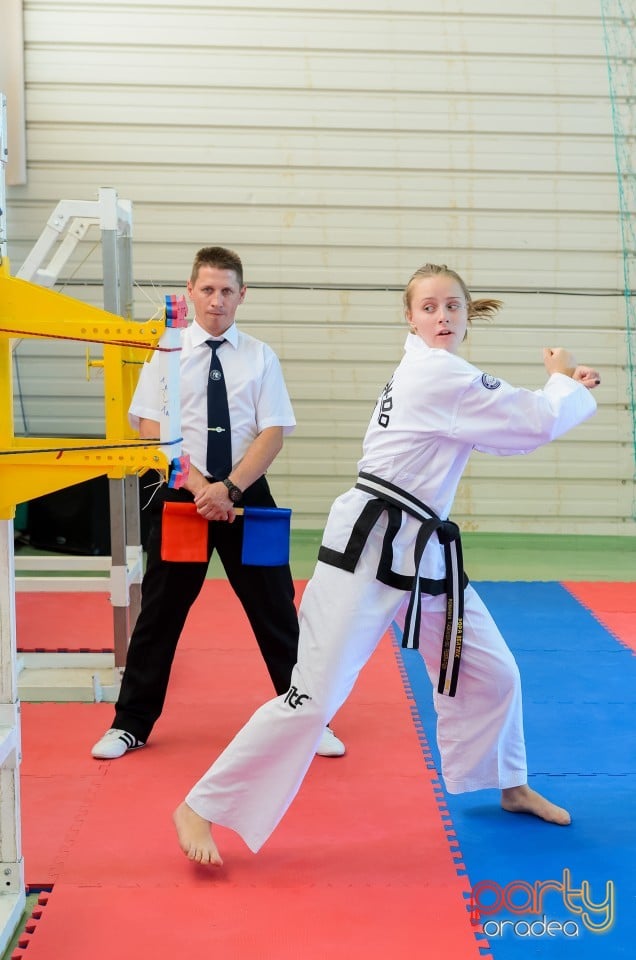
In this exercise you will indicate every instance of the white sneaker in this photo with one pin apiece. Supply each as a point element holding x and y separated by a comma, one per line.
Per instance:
<point>330,745</point>
<point>115,743</point>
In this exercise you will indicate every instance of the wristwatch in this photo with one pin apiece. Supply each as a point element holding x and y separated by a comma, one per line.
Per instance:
<point>234,493</point>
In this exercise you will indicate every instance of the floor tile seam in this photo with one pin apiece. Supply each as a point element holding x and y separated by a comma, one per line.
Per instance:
<point>597,615</point>
<point>64,886</point>
<point>77,778</point>
<point>31,925</point>
<point>439,795</point>
<point>74,829</point>
<point>579,773</point>
<point>570,649</point>
<point>600,702</point>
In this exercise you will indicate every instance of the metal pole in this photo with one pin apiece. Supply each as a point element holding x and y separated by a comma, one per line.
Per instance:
<point>119,560</point>
<point>12,890</point>
<point>131,484</point>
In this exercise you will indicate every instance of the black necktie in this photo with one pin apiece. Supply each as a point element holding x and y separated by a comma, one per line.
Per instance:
<point>219,455</point>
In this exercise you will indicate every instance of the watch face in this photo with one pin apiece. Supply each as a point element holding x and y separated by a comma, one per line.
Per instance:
<point>234,493</point>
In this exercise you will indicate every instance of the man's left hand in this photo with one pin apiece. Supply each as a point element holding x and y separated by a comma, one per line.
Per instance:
<point>213,503</point>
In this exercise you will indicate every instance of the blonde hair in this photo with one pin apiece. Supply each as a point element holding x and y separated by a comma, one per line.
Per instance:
<point>486,307</point>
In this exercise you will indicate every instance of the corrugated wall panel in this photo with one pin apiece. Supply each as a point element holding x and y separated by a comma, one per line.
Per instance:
<point>337,147</point>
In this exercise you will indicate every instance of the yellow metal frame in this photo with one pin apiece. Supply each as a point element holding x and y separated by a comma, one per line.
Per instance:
<point>33,466</point>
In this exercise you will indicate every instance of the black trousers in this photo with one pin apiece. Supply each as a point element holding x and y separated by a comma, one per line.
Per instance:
<point>168,591</point>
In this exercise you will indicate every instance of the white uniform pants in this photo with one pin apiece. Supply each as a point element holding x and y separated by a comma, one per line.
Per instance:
<point>343,616</point>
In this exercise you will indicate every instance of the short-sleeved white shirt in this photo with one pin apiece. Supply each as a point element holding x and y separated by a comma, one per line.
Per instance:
<point>257,395</point>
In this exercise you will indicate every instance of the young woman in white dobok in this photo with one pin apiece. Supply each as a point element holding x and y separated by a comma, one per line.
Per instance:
<point>392,524</point>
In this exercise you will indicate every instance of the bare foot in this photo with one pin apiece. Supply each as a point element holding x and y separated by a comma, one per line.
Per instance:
<point>194,836</point>
<point>525,800</point>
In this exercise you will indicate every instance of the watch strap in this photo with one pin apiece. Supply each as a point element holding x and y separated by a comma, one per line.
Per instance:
<point>235,492</point>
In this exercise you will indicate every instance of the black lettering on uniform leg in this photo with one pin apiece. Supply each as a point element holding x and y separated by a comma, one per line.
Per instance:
<point>295,699</point>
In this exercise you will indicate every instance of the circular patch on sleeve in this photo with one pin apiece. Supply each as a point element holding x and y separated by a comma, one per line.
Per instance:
<point>490,383</point>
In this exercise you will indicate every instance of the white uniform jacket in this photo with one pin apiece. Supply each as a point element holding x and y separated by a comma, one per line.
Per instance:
<point>434,411</point>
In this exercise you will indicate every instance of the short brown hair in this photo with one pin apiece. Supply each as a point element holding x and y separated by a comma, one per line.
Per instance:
<point>219,257</point>
<point>485,307</point>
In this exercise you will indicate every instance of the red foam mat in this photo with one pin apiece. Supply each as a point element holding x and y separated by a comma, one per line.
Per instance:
<point>257,923</point>
<point>613,605</point>
<point>63,621</point>
<point>77,621</point>
<point>360,867</point>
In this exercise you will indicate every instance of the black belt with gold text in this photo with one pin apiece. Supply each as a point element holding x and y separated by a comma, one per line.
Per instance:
<point>392,500</point>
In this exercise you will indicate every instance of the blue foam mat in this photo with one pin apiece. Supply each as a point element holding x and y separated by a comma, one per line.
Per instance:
<point>582,754</point>
<point>544,616</point>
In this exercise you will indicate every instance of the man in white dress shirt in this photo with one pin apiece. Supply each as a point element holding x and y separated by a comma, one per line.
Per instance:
<point>260,415</point>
